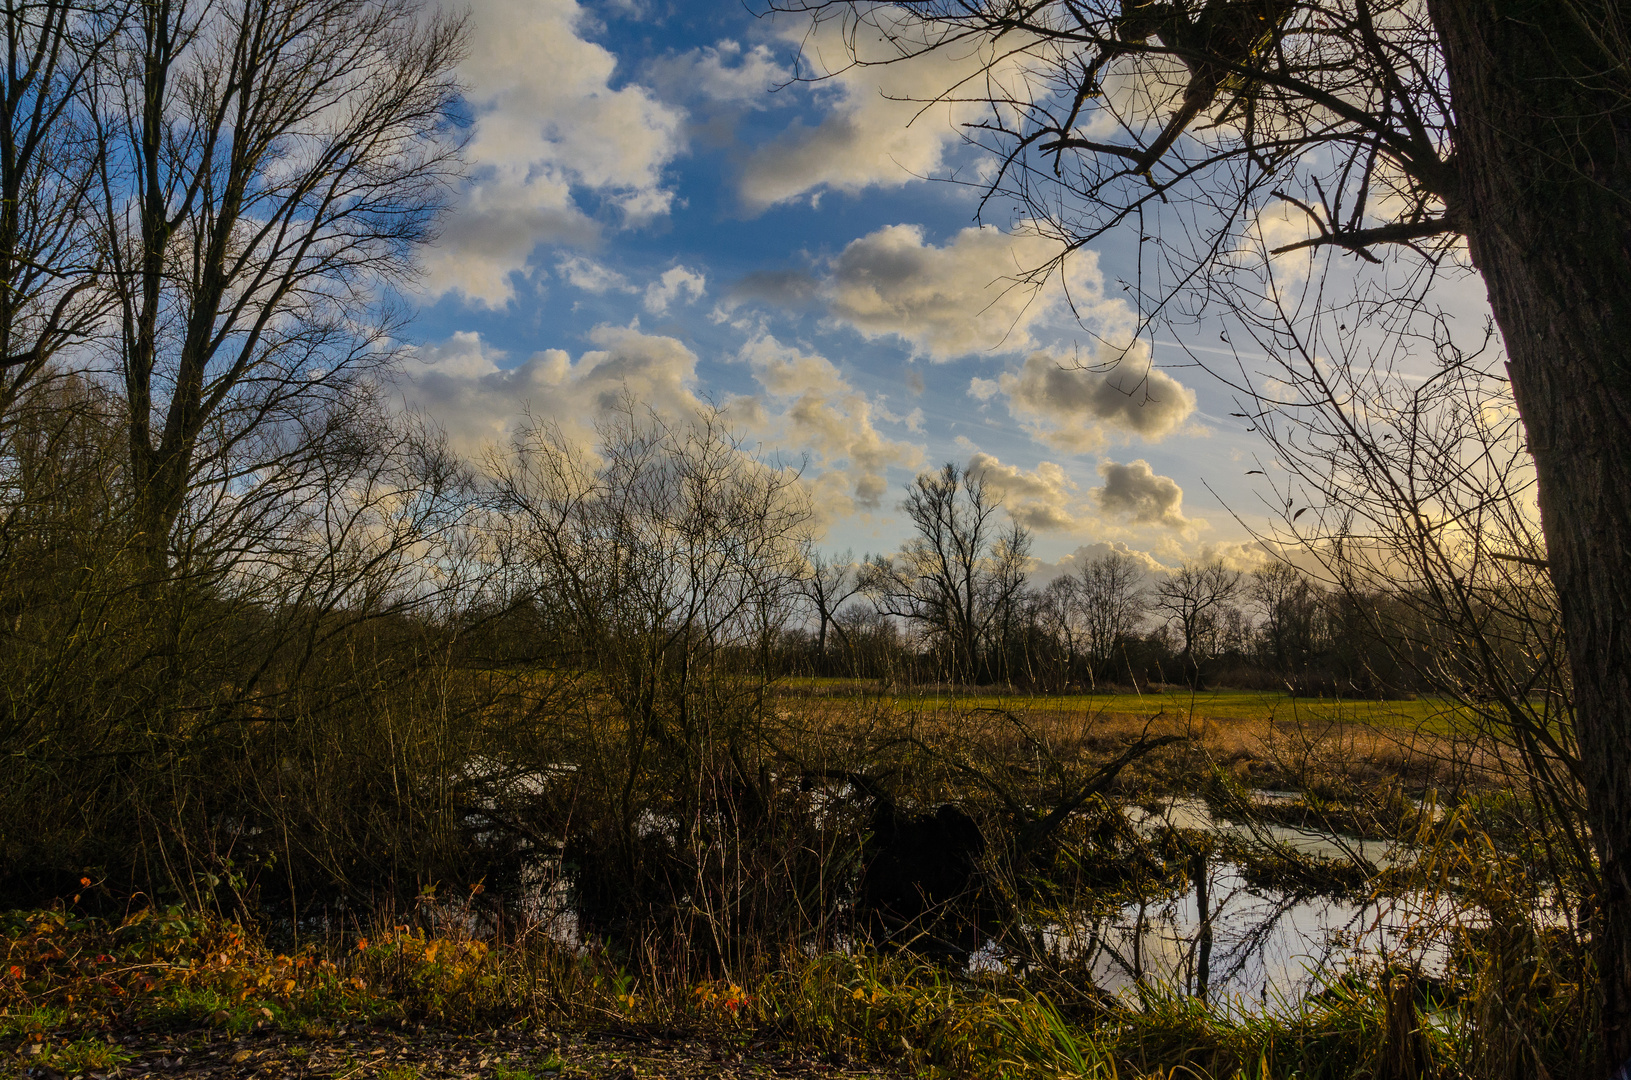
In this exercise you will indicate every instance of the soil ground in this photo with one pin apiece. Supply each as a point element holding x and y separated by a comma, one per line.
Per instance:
<point>374,1055</point>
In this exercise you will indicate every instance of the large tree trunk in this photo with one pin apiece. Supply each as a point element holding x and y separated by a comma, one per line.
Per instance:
<point>1542,96</point>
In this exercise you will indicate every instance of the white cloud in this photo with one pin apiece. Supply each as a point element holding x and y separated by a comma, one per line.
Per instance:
<point>1244,555</point>
<point>824,416</point>
<point>547,120</point>
<point>724,72</point>
<point>965,296</point>
<point>779,288</point>
<point>983,290</point>
<point>591,277</point>
<point>1279,224</point>
<point>1070,405</point>
<point>1147,564</point>
<point>676,283</point>
<point>461,384</point>
<point>1041,499</point>
<point>1135,492</point>
<point>464,385</point>
<point>878,129</point>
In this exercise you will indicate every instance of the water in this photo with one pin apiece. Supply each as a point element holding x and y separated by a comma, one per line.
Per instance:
<point>1191,813</point>
<point>1268,948</point>
<point>1267,951</point>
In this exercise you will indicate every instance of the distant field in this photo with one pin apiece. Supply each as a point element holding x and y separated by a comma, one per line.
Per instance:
<point>1428,715</point>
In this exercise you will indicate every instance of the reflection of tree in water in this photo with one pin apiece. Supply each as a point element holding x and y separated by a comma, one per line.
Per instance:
<point>1230,937</point>
<point>1255,940</point>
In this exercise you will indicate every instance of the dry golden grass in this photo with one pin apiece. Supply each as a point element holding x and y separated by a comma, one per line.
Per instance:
<point>1262,739</point>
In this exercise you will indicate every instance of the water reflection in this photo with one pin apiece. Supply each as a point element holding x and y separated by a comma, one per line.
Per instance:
<point>1242,947</point>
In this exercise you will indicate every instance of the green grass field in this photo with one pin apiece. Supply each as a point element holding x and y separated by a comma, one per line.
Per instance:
<point>1431,715</point>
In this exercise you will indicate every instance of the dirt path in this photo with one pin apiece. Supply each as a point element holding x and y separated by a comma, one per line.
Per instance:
<point>497,1056</point>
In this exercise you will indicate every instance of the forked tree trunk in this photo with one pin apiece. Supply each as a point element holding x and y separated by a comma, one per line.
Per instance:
<point>1542,97</point>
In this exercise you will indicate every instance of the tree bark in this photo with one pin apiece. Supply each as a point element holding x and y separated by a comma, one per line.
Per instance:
<point>1542,98</point>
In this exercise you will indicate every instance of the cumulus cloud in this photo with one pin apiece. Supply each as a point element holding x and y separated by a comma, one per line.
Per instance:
<point>591,277</point>
<point>547,121</point>
<point>782,288</point>
<point>826,417</point>
<point>1040,499</point>
<point>954,299</point>
<point>1147,564</point>
<point>461,383</point>
<point>677,283</point>
<point>1246,555</point>
<point>724,72</point>
<point>1135,492</point>
<point>878,129</point>
<point>1071,406</point>
<point>806,405</point>
<point>967,295</point>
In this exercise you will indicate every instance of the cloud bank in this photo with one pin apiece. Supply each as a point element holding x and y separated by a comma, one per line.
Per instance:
<point>1041,499</point>
<point>822,414</point>
<point>882,127</point>
<point>461,384</point>
<point>961,297</point>
<point>537,138</point>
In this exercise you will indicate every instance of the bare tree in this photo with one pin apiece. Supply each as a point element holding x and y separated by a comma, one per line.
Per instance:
<point>1111,601</point>
<point>828,584</point>
<point>960,576</point>
<point>1055,613</point>
<point>1414,500</point>
<point>222,196</point>
<point>1290,607</point>
<point>48,160</point>
<point>266,171</point>
<point>672,556</point>
<point>1195,598</point>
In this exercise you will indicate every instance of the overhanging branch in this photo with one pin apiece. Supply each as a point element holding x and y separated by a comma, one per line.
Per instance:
<point>1358,240</point>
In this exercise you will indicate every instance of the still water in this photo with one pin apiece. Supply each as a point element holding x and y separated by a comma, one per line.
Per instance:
<point>1250,949</point>
<point>1245,948</point>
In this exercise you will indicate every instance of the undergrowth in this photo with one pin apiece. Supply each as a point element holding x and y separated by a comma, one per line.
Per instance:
<point>70,983</point>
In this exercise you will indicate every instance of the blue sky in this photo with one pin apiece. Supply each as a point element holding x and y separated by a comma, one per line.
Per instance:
<point>647,211</point>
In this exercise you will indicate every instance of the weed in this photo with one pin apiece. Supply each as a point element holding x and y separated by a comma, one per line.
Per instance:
<point>31,1020</point>
<point>544,1069</point>
<point>79,1056</point>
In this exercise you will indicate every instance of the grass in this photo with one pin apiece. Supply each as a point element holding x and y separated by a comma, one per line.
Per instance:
<point>1264,739</point>
<point>915,1017</point>
<point>546,1068</point>
<point>1430,715</point>
<point>75,1057</point>
<point>68,981</point>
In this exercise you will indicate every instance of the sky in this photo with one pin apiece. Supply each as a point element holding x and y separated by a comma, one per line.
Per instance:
<point>655,206</point>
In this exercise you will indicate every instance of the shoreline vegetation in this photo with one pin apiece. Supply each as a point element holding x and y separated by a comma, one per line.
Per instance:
<point>86,997</point>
